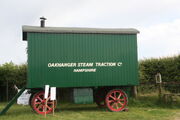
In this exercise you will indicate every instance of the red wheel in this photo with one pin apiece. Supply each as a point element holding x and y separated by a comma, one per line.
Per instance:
<point>116,100</point>
<point>38,103</point>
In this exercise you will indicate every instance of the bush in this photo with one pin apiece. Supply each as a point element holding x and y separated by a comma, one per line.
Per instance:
<point>168,67</point>
<point>10,75</point>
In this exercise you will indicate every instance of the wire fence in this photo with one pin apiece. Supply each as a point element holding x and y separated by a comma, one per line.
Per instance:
<point>151,87</point>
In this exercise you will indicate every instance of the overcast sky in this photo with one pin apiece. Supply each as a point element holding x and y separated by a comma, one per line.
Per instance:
<point>157,20</point>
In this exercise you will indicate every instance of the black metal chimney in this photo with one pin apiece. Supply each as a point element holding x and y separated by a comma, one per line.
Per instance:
<point>42,21</point>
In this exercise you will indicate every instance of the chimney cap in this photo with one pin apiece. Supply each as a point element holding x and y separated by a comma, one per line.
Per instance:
<point>43,18</point>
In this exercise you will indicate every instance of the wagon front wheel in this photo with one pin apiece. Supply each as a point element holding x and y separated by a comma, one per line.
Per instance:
<point>38,103</point>
<point>116,100</point>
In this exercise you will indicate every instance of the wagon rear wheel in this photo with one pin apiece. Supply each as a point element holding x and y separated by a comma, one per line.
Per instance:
<point>38,103</point>
<point>116,100</point>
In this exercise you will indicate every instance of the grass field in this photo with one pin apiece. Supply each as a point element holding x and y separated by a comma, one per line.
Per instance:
<point>145,108</point>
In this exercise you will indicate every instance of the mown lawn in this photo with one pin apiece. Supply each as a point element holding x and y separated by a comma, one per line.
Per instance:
<point>146,108</point>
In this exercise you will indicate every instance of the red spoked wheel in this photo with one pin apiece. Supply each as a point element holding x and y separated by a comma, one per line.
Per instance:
<point>38,103</point>
<point>116,100</point>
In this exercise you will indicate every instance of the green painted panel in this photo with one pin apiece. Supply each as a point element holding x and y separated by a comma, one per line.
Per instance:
<point>111,58</point>
<point>83,95</point>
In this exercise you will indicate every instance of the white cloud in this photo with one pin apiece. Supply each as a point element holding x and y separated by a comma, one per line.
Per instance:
<point>160,40</point>
<point>113,13</point>
<point>153,18</point>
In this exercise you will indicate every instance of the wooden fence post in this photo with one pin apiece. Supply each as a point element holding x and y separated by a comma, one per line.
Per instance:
<point>134,91</point>
<point>159,82</point>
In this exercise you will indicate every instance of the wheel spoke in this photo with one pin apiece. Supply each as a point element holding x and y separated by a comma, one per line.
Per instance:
<point>114,94</point>
<point>121,103</point>
<point>50,103</point>
<point>121,99</point>
<point>116,106</point>
<point>39,99</point>
<point>48,98</point>
<point>119,95</point>
<point>112,97</point>
<point>113,105</point>
<point>37,103</point>
<point>110,101</point>
<point>49,108</point>
<point>39,107</point>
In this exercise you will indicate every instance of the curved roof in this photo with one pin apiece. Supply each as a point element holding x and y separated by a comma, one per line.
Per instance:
<point>27,29</point>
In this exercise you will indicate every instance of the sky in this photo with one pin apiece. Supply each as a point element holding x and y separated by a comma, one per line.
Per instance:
<point>157,20</point>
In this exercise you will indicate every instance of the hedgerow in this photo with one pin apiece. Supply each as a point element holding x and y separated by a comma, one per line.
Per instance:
<point>169,67</point>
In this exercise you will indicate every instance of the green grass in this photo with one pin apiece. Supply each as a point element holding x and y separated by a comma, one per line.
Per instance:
<point>145,108</point>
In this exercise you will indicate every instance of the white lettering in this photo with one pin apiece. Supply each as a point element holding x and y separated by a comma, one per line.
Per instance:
<point>61,64</point>
<point>119,64</point>
<point>85,64</point>
<point>84,70</point>
<point>105,64</point>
